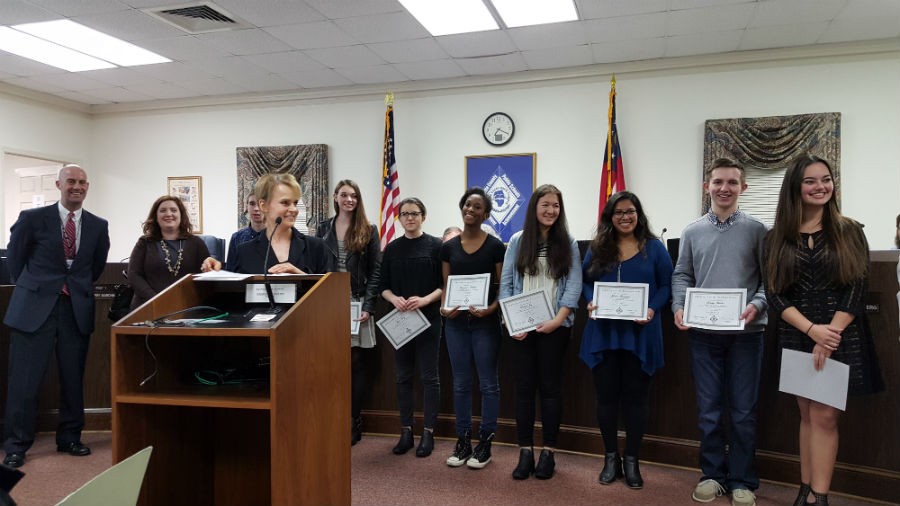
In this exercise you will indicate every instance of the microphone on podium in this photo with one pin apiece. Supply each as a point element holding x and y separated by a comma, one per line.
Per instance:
<point>272,308</point>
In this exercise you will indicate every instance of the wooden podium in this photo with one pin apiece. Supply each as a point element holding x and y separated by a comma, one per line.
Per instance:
<point>284,440</point>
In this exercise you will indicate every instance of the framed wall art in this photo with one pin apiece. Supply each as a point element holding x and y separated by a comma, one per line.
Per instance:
<point>190,190</point>
<point>509,181</point>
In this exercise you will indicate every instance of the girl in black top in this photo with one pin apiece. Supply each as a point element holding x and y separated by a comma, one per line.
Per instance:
<point>410,280</point>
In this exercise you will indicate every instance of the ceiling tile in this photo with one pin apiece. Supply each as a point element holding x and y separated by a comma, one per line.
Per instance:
<point>703,43</point>
<point>629,50</point>
<point>710,19</point>
<point>501,64</point>
<point>183,47</point>
<point>312,35</point>
<point>333,9</point>
<point>72,81</point>
<point>146,4</point>
<point>573,33</point>
<point>130,25</point>
<point>119,76</point>
<point>372,75</point>
<point>227,66</point>
<point>409,50</point>
<point>14,12</point>
<point>262,83</point>
<point>488,43</point>
<point>642,26</point>
<point>70,8</point>
<point>18,66</point>
<point>693,4</point>
<point>243,42</point>
<point>162,90</point>
<point>559,57</point>
<point>383,27</point>
<point>782,36</point>
<point>212,86</point>
<point>436,69</point>
<point>350,56</point>
<point>871,9</point>
<point>117,95</point>
<point>593,9</point>
<point>278,63</point>
<point>850,29</point>
<point>271,12</point>
<point>785,12</point>
<point>35,84</point>
<point>316,78</point>
<point>81,97</point>
<point>172,72</point>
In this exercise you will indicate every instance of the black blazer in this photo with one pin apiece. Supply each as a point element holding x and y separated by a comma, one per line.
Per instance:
<point>37,264</point>
<point>309,254</point>
<point>363,268</point>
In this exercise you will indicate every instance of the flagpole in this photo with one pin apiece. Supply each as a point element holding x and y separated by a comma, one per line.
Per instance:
<point>609,133</point>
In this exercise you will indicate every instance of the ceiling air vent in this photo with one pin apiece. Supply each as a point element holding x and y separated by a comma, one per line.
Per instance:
<point>201,17</point>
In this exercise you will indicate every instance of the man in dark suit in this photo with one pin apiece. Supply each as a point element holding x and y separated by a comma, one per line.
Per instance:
<point>55,253</point>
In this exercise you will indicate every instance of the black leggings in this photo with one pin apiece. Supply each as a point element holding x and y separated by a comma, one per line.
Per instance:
<point>538,360</point>
<point>359,358</point>
<point>620,382</point>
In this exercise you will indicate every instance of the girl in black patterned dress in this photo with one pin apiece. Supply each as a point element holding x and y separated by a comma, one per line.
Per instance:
<point>817,271</point>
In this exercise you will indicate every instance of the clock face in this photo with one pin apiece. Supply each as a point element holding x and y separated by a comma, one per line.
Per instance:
<point>498,129</point>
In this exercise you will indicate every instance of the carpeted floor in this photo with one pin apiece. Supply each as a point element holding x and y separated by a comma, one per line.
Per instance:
<point>381,478</point>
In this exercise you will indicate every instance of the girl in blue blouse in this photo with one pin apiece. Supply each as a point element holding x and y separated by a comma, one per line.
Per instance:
<point>542,257</point>
<point>623,354</point>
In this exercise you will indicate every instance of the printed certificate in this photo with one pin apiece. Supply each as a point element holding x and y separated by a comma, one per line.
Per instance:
<point>468,290</point>
<point>355,310</point>
<point>715,308</point>
<point>525,311</point>
<point>621,301</point>
<point>400,327</point>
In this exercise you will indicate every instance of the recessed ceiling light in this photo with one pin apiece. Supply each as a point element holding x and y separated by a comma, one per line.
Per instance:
<point>446,17</point>
<point>535,12</point>
<point>89,41</point>
<point>40,50</point>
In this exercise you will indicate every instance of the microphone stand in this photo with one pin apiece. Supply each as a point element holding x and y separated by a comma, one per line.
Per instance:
<point>273,309</point>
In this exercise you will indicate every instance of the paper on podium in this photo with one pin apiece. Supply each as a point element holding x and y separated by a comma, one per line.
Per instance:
<point>800,377</point>
<point>221,276</point>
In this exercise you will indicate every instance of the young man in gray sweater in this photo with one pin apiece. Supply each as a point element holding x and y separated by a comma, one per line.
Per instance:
<point>723,249</point>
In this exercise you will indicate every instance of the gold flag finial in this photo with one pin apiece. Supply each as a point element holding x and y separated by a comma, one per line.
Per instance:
<point>612,81</point>
<point>389,98</point>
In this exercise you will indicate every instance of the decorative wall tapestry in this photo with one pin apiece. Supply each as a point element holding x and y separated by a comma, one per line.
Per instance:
<point>308,163</point>
<point>773,142</point>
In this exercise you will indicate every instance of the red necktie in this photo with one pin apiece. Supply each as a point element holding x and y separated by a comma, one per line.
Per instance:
<point>69,244</point>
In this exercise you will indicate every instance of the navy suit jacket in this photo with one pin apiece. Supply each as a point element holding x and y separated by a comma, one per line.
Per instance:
<point>37,265</point>
<point>309,254</point>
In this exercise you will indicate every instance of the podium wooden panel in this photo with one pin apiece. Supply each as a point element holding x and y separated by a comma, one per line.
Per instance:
<point>284,441</point>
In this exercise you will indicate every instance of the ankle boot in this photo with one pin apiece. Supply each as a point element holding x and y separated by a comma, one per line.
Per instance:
<point>426,444</point>
<point>633,473</point>
<point>355,430</point>
<point>612,468</point>
<point>821,499</point>
<point>406,441</point>
<point>526,464</point>
<point>546,465</point>
<point>802,495</point>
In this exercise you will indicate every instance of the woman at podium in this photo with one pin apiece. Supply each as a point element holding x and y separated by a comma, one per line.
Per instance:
<point>167,251</point>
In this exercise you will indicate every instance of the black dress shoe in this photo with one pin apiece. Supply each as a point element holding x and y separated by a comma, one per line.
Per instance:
<point>612,468</point>
<point>633,473</point>
<point>545,466</point>
<point>14,460</point>
<point>405,443</point>
<point>426,444</point>
<point>77,449</point>
<point>526,464</point>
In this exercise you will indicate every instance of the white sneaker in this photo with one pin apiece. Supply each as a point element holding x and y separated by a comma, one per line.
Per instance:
<point>742,497</point>
<point>707,490</point>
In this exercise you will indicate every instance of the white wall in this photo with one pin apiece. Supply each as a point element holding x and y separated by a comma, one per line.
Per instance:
<point>660,119</point>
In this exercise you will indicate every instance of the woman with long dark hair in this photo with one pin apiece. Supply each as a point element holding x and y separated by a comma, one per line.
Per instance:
<point>411,280</point>
<point>624,354</point>
<point>542,256</point>
<point>354,243</point>
<point>473,334</point>
<point>817,270</point>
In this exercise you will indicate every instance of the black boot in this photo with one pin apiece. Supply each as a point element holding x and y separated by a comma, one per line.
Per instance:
<point>546,465</point>
<point>462,451</point>
<point>821,499</point>
<point>526,464</point>
<point>406,441</point>
<point>612,468</point>
<point>802,495</point>
<point>355,430</point>
<point>633,473</point>
<point>426,444</point>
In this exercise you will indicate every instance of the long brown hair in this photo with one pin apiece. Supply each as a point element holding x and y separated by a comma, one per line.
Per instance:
<point>151,228</point>
<point>360,231</point>
<point>559,254</point>
<point>846,251</point>
<point>604,246</point>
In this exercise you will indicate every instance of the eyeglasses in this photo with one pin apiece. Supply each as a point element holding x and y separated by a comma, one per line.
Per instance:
<point>618,213</point>
<point>410,214</point>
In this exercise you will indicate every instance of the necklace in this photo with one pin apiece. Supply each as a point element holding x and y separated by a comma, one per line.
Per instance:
<point>165,248</point>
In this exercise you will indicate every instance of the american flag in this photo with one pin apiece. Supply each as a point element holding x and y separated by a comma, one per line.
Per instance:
<point>613,174</point>
<point>390,180</point>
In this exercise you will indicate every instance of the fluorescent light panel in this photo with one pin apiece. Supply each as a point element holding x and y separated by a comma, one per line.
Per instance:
<point>48,53</point>
<point>453,16</point>
<point>89,41</point>
<point>535,12</point>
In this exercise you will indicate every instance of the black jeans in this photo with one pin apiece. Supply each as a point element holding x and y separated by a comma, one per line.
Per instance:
<point>424,349</point>
<point>621,383</point>
<point>538,360</point>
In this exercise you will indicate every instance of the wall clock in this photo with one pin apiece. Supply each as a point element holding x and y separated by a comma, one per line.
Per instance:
<point>498,129</point>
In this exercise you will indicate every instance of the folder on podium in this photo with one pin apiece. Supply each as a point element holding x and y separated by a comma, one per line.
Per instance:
<point>283,441</point>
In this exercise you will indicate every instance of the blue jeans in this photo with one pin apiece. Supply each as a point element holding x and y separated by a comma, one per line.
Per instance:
<point>726,377</point>
<point>473,339</point>
<point>424,349</point>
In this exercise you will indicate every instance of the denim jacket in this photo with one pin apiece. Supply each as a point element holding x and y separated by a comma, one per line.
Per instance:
<point>568,286</point>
